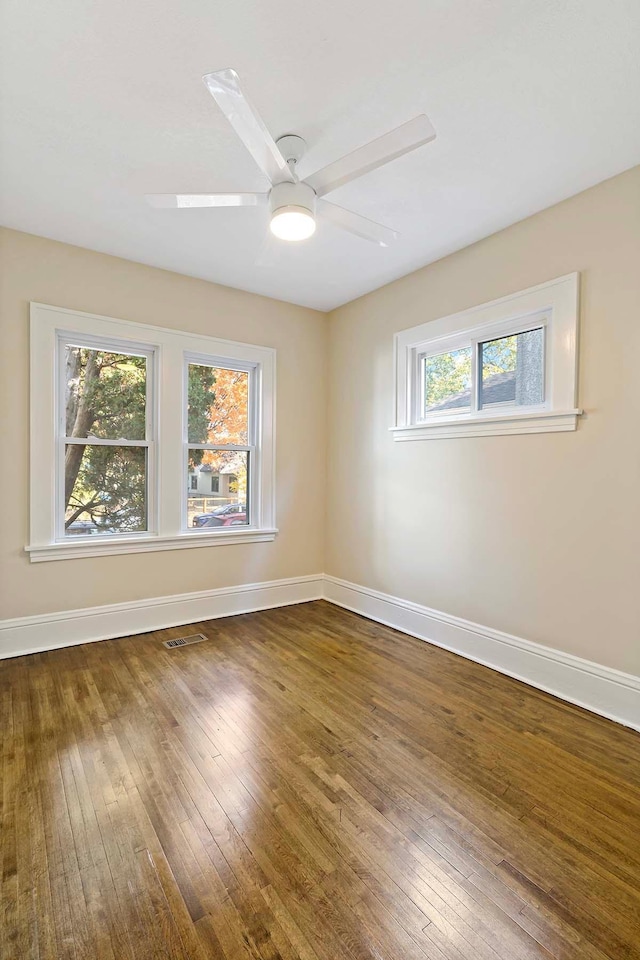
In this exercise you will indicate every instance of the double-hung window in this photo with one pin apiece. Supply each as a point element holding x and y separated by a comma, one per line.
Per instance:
<point>105,449</point>
<point>145,438</point>
<point>508,366</point>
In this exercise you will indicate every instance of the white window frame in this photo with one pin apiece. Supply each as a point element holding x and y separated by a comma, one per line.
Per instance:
<point>553,306</point>
<point>168,351</point>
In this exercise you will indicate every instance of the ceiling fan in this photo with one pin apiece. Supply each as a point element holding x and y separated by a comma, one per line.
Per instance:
<point>294,204</point>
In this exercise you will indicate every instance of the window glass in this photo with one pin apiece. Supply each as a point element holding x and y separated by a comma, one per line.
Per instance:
<point>511,370</point>
<point>105,394</point>
<point>218,405</point>
<point>447,382</point>
<point>228,505</point>
<point>108,492</point>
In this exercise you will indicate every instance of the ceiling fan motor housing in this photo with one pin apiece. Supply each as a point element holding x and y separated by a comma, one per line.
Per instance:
<point>298,196</point>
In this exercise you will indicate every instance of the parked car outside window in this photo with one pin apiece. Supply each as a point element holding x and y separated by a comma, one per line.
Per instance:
<point>217,516</point>
<point>228,520</point>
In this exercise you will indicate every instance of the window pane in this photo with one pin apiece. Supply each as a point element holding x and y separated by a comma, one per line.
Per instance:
<point>226,472</point>
<point>106,489</point>
<point>105,394</point>
<point>218,405</point>
<point>447,381</point>
<point>512,370</point>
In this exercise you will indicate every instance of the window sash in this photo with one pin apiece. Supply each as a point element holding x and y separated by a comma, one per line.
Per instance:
<point>482,407</point>
<point>61,527</point>
<point>422,414</point>
<point>103,442</point>
<point>250,501</point>
<point>241,448</point>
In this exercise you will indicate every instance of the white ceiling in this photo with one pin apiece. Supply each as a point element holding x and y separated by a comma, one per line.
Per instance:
<point>533,101</point>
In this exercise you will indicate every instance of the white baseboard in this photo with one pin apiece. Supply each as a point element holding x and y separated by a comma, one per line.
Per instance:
<point>70,627</point>
<point>600,689</point>
<point>604,691</point>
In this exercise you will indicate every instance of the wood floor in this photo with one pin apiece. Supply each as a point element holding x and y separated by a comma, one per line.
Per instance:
<point>308,784</point>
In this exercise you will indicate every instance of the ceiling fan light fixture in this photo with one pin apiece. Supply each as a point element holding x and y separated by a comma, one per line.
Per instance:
<point>293,211</point>
<point>292,223</point>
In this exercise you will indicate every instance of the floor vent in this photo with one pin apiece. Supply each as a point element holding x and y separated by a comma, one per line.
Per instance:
<point>184,641</point>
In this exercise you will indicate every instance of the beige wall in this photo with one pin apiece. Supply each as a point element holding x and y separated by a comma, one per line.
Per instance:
<point>32,268</point>
<point>538,536</point>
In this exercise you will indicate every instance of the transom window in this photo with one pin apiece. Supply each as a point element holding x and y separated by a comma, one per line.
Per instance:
<point>146,438</point>
<point>508,366</point>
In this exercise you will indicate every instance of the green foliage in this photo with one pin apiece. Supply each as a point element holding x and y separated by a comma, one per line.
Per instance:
<point>110,489</point>
<point>201,397</point>
<point>113,387</point>
<point>499,356</point>
<point>447,374</point>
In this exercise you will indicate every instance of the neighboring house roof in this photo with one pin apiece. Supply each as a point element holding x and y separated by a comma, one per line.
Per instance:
<point>208,468</point>
<point>500,388</point>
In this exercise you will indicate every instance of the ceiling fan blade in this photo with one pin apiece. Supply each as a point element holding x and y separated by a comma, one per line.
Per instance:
<point>186,200</point>
<point>354,223</point>
<point>224,87</point>
<point>394,144</point>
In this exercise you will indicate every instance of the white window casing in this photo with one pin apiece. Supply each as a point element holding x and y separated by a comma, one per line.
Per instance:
<point>168,352</point>
<point>552,306</point>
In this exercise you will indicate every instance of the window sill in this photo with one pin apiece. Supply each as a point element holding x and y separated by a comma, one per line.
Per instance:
<point>91,547</point>
<point>489,425</point>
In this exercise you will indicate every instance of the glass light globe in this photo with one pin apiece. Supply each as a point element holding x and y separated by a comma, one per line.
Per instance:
<point>292,223</point>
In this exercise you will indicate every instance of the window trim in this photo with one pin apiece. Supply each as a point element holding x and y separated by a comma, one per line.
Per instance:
<point>553,305</point>
<point>170,348</point>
